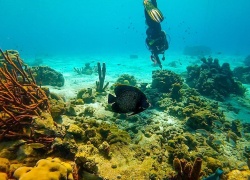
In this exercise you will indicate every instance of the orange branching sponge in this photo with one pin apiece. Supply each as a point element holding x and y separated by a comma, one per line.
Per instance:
<point>20,98</point>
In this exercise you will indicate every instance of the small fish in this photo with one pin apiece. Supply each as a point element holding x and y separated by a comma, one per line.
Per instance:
<point>216,175</point>
<point>217,123</point>
<point>36,145</point>
<point>202,132</point>
<point>232,142</point>
<point>217,142</point>
<point>128,100</point>
<point>217,131</point>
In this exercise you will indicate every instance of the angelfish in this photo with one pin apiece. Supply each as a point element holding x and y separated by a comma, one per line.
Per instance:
<point>128,99</point>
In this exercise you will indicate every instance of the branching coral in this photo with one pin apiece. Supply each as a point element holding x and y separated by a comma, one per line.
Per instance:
<point>20,100</point>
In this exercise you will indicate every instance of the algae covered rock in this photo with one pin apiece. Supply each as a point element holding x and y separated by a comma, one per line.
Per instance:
<point>239,175</point>
<point>84,158</point>
<point>45,75</point>
<point>202,119</point>
<point>75,130</point>
<point>127,80</point>
<point>46,169</point>
<point>86,95</point>
<point>163,80</point>
<point>57,108</point>
<point>113,135</point>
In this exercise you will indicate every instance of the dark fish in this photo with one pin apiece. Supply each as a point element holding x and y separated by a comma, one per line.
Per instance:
<point>128,99</point>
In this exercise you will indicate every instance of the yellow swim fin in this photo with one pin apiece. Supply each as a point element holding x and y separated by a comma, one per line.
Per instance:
<point>154,13</point>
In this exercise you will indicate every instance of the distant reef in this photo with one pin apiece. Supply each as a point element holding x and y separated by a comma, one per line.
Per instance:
<point>213,80</point>
<point>197,50</point>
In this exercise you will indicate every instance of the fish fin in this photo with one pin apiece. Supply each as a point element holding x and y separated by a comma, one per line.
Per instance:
<point>121,88</point>
<point>140,109</point>
<point>111,99</point>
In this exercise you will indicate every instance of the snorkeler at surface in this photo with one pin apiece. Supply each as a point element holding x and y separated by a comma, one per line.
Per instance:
<point>156,38</point>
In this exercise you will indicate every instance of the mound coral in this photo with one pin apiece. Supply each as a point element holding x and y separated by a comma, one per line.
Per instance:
<point>163,80</point>
<point>47,169</point>
<point>127,80</point>
<point>45,75</point>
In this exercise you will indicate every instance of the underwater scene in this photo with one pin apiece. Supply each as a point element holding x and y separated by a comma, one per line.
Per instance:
<point>124,90</point>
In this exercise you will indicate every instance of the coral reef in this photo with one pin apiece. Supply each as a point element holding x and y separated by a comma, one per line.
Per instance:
<point>242,74</point>
<point>213,80</point>
<point>86,95</point>
<point>126,79</point>
<point>98,144</point>
<point>197,51</point>
<point>164,79</point>
<point>87,70</point>
<point>44,75</point>
<point>198,112</point>
<point>247,61</point>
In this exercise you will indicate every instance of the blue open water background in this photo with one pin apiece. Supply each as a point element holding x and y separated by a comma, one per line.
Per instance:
<point>112,26</point>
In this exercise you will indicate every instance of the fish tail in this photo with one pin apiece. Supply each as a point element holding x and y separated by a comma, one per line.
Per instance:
<point>111,99</point>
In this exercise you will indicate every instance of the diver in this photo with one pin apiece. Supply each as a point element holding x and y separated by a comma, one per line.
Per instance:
<point>156,38</point>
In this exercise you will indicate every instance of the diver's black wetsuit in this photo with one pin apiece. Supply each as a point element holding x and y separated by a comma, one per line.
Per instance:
<point>156,38</point>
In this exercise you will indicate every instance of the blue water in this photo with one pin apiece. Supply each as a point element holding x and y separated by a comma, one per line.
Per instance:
<point>113,26</point>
